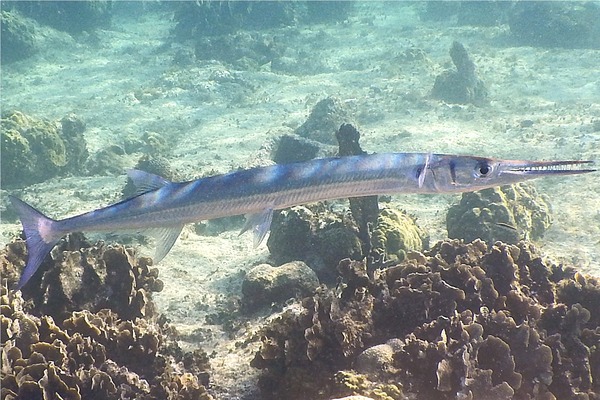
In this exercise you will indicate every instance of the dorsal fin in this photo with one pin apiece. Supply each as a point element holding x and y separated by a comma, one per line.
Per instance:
<point>145,181</point>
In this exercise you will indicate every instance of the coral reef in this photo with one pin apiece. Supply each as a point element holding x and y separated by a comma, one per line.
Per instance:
<point>223,17</point>
<point>507,213</point>
<point>293,148</point>
<point>315,235</point>
<point>51,349</point>
<point>460,321</point>
<point>34,150</point>
<point>243,50</point>
<point>322,237</point>
<point>241,33</point>
<point>73,17</point>
<point>17,37</point>
<point>324,120</point>
<point>462,86</point>
<point>477,13</point>
<point>560,24</point>
<point>87,356</point>
<point>265,285</point>
<point>82,276</point>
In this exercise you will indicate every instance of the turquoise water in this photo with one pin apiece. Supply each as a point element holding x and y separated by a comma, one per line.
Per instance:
<point>210,87</point>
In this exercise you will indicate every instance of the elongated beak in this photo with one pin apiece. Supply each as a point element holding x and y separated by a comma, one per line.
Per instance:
<point>545,168</point>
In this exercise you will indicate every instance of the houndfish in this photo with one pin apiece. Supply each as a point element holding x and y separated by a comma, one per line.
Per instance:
<point>162,208</point>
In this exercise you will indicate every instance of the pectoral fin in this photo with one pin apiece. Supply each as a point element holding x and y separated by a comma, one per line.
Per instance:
<point>260,223</point>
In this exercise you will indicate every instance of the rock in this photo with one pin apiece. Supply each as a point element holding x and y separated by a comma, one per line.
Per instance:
<point>325,119</point>
<point>18,37</point>
<point>556,24</point>
<point>265,284</point>
<point>295,148</point>
<point>34,150</point>
<point>377,360</point>
<point>462,86</point>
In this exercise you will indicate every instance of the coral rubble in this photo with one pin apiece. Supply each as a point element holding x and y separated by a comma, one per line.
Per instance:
<point>460,321</point>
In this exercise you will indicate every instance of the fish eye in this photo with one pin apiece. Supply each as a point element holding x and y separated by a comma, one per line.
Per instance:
<point>483,169</point>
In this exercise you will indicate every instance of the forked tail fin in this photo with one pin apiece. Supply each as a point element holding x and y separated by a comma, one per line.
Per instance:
<point>40,234</point>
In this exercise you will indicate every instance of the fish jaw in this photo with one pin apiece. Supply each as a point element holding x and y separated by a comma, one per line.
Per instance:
<point>545,168</point>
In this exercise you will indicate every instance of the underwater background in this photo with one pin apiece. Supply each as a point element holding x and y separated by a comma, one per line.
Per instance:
<point>193,89</point>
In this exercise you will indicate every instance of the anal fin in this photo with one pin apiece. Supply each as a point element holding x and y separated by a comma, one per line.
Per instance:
<point>165,239</point>
<point>260,223</point>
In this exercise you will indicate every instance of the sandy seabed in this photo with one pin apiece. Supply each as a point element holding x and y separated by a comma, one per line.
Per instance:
<point>210,130</point>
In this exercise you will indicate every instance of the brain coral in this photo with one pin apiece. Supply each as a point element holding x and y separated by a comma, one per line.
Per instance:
<point>461,321</point>
<point>395,233</point>
<point>506,213</point>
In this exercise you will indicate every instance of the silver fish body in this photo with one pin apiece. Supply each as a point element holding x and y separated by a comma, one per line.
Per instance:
<point>164,207</point>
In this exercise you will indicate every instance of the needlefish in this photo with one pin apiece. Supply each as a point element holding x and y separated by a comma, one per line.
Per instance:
<point>162,208</point>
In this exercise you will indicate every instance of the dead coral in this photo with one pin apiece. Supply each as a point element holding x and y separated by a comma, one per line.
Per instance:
<point>95,353</point>
<point>464,321</point>
<point>82,276</point>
